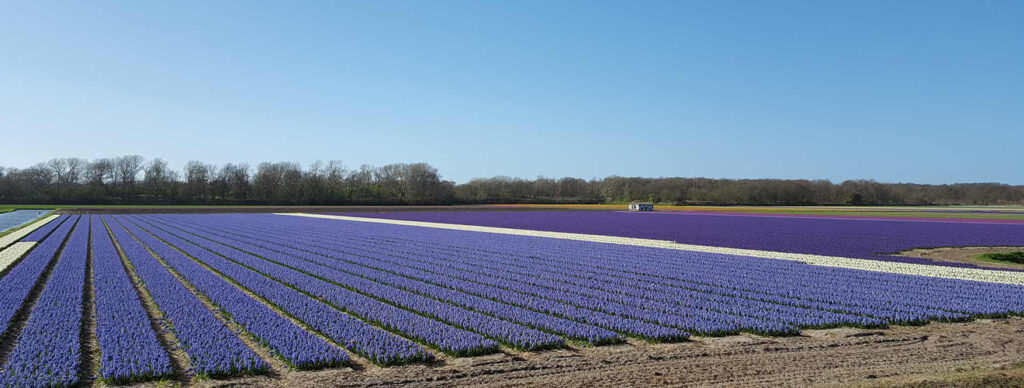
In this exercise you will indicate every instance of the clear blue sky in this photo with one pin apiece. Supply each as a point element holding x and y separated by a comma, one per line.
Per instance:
<point>922,91</point>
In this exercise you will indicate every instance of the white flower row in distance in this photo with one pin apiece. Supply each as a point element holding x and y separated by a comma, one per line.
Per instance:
<point>975,274</point>
<point>14,252</point>
<point>20,233</point>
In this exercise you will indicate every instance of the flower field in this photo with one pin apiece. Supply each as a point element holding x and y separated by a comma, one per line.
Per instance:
<point>130,298</point>
<point>874,239</point>
<point>17,218</point>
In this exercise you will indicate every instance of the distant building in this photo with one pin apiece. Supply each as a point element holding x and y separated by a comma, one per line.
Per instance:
<point>641,207</point>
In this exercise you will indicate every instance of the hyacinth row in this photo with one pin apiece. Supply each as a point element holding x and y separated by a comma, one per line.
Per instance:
<point>774,274</point>
<point>626,289</point>
<point>592,333</point>
<point>571,329</point>
<point>865,239</point>
<point>900,264</point>
<point>377,345</point>
<point>129,348</point>
<point>211,346</point>
<point>308,288</point>
<point>802,295</point>
<point>712,262</point>
<point>583,307</point>
<point>446,338</point>
<point>14,252</point>
<point>53,329</point>
<point>297,347</point>
<point>507,332</point>
<point>638,326</point>
<point>41,232</point>
<point>48,351</point>
<point>18,282</point>
<point>695,322</point>
<point>889,295</point>
<point>688,317</point>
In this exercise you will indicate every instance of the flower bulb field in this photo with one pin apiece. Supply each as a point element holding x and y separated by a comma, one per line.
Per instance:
<point>876,239</point>
<point>492,298</point>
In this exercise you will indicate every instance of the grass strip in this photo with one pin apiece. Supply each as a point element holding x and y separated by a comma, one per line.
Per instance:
<point>1007,257</point>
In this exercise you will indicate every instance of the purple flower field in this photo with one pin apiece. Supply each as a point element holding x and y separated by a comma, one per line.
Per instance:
<point>319,293</point>
<point>856,238</point>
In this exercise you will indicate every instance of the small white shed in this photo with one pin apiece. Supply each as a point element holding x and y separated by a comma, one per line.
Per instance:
<point>641,207</point>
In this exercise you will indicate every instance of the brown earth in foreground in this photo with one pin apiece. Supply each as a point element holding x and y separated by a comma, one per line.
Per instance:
<point>964,255</point>
<point>981,353</point>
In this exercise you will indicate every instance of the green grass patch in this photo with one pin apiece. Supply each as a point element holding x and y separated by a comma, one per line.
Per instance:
<point>1008,257</point>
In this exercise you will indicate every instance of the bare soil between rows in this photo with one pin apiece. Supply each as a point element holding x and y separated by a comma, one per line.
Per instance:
<point>986,352</point>
<point>965,255</point>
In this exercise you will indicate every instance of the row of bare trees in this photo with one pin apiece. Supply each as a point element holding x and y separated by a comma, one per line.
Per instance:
<point>133,180</point>
<point>706,191</point>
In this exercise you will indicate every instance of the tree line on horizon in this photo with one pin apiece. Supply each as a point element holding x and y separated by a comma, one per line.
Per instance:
<point>131,180</point>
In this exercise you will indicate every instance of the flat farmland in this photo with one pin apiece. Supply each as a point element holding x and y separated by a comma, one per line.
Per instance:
<point>879,238</point>
<point>503,298</point>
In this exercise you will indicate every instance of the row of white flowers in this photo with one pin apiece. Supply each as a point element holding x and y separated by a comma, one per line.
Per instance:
<point>20,233</point>
<point>976,274</point>
<point>14,252</point>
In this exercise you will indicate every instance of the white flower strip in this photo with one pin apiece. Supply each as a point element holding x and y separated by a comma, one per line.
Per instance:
<point>20,233</point>
<point>976,274</point>
<point>13,253</point>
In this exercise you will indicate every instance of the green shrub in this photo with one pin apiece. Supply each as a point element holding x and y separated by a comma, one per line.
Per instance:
<point>1011,257</point>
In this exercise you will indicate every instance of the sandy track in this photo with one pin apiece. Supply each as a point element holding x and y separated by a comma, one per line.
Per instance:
<point>819,357</point>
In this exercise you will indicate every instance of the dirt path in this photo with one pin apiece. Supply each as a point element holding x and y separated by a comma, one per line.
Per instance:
<point>965,255</point>
<point>984,352</point>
